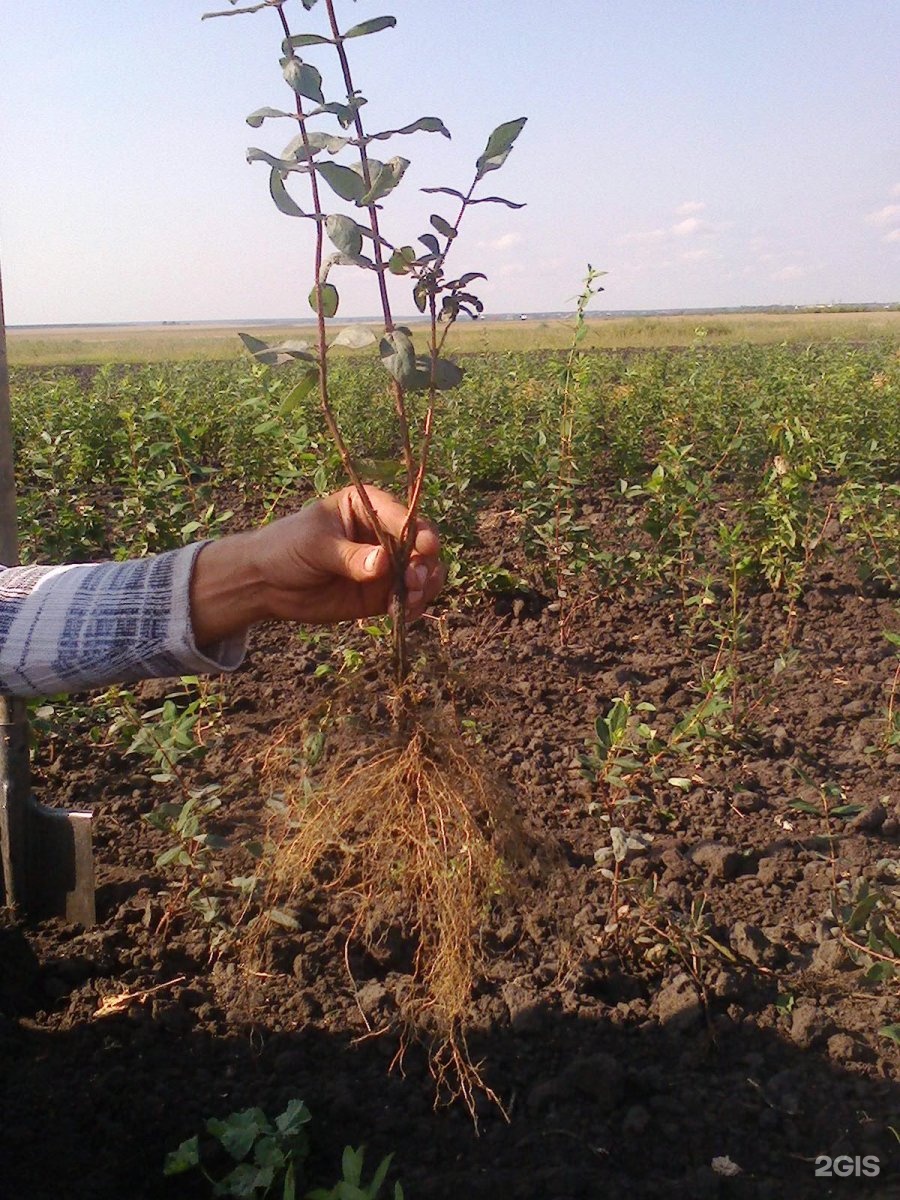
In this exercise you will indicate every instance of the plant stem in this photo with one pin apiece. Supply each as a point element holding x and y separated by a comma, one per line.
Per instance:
<point>380,266</point>
<point>330,420</point>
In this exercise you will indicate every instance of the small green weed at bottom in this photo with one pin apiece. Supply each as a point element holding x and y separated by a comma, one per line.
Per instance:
<point>265,1158</point>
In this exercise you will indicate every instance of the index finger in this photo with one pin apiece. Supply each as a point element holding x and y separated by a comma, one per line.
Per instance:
<point>392,514</point>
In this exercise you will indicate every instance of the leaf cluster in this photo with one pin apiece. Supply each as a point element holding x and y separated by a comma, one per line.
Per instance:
<point>364,182</point>
<point>269,1157</point>
<point>869,918</point>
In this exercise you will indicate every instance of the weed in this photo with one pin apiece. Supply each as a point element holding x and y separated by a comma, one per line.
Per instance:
<point>171,732</point>
<point>183,823</point>
<point>868,918</point>
<point>870,511</point>
<point>269,1158</point>
<point>891,734</point>
<point>351,1185</point>
<point>618,739</point>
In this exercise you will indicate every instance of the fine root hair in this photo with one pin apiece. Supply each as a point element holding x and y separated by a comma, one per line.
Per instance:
<point>411,832</point>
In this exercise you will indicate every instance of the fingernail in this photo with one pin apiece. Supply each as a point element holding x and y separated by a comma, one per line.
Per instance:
<point>371,560</point>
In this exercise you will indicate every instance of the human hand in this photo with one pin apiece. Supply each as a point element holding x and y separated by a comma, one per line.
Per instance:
<point>320,565</point>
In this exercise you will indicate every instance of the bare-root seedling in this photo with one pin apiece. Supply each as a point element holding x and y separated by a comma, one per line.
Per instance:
<point>405,825</point>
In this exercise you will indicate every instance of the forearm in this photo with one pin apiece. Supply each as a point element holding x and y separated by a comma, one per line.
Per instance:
<point>227,592</point>
<point>66,629</point>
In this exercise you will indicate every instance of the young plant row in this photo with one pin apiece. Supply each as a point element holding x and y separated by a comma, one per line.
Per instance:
<point>712,466</point>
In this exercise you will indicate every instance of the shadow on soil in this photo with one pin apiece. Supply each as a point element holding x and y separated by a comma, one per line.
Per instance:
<point>596,1108</point>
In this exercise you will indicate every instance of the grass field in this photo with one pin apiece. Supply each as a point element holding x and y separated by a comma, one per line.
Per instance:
<point>178,343</point>
<point>670,630</point>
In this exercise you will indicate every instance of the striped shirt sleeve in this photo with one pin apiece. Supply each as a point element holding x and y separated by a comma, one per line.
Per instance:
<point>68,629</point>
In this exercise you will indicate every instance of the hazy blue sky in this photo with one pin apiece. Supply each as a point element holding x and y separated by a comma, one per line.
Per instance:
<point>703,152</point>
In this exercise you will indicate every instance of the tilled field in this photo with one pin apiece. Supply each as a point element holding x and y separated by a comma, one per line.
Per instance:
<point>691,1021</point>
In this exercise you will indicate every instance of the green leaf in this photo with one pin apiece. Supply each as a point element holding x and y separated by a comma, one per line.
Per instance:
<point>257,117</point>
<point>352,1164</point>
<point>239,1132</point>
<point>259,349</point>
<point>880,972</point>
<point>444,228</point>
<point>345,234</point>
<point>805,807</point>
<point>267,1153</point>
<point>498,147</point>
<point>345,113</point>
<point>290,1183</point>
<point>496,200</point>
<point>892,1032</point>
<point>294,349</point>
<point>300,149</point>
<point>375,25</point>
<point>384,177</point>
<point>342,180</point>
<point>617,719</point>
<point>280,164</point>
<point>861,912</point>
<point>297,40</point>
<point>413,372</point>
<point>283,202</point>
<point>294,1117</point>
<point>430,242</point>
<point>240,1183</point>
<point>185,1158</point>
<point>299,392</point>
<point>355,337</point>
<point>303,78</point>
<point>423,125</point>
<point>399,356</point>
<point>444,191</point>
<point>213,841</point>
<point>401,260</point>
<point>238,12</point>
<point>379,1177</point>
<point>446,374</point>
<point>420,296</point>
<point>330,299</point>
<point>173,857</point>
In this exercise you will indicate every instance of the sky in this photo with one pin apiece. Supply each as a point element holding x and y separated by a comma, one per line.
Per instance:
<point>704,153</point>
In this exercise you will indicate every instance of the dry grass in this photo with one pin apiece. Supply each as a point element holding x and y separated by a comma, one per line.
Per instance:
<point>60,345</point>
<point>408,833</point>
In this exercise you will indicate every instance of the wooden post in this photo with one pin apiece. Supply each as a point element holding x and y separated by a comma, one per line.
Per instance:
<point>14,776</point>
<point>46,861</point>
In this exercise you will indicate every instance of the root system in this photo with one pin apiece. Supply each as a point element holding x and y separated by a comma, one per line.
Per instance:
<point>412,833</point>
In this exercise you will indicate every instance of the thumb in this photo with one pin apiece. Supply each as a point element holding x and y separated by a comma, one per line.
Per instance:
<point>360,562</point>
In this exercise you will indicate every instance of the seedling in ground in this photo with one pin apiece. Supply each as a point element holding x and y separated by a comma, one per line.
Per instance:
<point>409,816</point>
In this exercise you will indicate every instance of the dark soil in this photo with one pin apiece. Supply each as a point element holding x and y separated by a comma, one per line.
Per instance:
<point>628,1060</point>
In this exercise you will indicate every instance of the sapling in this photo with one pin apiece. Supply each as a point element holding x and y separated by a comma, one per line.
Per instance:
<point>415,823</point>
<point>358,241</point>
